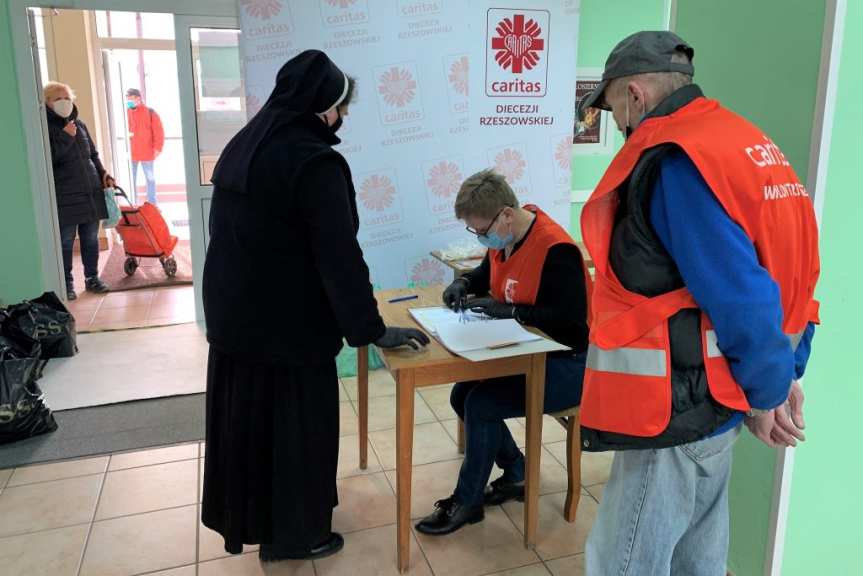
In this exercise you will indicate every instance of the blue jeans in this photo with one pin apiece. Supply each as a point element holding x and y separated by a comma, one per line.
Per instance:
<point>148,176</point>
<point>665,512</point>
<point>484,405</point>
<point>89,234</point>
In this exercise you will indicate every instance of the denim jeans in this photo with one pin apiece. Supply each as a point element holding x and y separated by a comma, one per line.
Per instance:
<point>148,176</point>
<point>89,235</point>
<point>484,405</point>
<point>665,512</point>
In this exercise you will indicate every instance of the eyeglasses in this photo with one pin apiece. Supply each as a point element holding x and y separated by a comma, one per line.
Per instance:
<point>484,233</point>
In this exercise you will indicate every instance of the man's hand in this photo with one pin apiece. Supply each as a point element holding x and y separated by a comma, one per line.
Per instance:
<point>107,180</point>
<point>395,337</point>
<point>490,307</point>
<point>455,294</point>
<point>784,425</point>
<point>71,129</point>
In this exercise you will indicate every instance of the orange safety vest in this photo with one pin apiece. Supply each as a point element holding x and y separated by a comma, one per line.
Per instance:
<point>627,384</point>
<point>516,279</point>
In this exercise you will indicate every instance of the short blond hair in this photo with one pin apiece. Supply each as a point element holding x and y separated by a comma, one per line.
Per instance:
<point>54,89</point>
<point>484,195</point>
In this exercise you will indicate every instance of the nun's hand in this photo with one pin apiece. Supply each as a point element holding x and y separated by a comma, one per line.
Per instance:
<point>395,337</point>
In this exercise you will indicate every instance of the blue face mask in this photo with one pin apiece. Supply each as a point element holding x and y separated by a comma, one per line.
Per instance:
<point>494,241</point>
<point>131,105</point>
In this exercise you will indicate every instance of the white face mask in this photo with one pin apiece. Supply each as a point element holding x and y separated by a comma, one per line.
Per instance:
<point>62,107</point>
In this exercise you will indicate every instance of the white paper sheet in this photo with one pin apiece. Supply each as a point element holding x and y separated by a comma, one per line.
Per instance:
<point>460,337</point>
<point>431,318</point>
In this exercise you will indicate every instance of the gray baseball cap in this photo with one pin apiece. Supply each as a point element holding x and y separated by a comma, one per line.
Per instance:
<point>640,53</point>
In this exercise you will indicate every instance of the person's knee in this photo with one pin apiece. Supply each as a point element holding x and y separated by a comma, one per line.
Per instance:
<point>458,397</point>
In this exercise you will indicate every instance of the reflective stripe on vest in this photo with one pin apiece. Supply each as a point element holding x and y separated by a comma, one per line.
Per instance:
<point>632,361</point>
<point>713,350</point>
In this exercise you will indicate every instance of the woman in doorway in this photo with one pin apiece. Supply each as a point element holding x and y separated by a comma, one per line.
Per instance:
<point>284,283</point>
<point>79,179</point>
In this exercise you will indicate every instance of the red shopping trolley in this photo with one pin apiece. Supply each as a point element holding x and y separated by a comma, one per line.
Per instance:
<point>145,234</point>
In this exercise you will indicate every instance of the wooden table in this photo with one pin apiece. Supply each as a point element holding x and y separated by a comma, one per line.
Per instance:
<point>432,366</point>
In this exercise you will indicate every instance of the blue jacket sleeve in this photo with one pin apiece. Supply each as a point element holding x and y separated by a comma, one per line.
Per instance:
<point>720,267</point>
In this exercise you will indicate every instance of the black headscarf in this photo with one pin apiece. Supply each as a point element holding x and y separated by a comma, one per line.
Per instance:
<point>309,83</point>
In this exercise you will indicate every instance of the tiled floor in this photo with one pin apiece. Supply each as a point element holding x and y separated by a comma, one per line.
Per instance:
<point>137,513</point>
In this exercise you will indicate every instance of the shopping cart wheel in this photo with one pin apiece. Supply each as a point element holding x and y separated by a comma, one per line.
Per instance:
<point>130,265</point>
<point>170,266</point>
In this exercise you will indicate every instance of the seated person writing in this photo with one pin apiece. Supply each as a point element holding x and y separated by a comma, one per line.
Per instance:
<point>535,274</point>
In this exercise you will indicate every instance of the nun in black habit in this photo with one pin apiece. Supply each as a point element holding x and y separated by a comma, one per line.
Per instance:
<point>284,284</point>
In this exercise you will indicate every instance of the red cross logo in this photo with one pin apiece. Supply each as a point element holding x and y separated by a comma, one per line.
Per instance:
<point>517,43</point>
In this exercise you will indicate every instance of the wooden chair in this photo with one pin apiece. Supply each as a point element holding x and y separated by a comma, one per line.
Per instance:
<point>569,419</point>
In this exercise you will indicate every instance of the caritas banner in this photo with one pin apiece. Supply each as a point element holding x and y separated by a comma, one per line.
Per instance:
<point>445,88</point>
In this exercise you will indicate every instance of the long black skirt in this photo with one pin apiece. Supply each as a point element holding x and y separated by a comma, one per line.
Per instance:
<point>272,453</point>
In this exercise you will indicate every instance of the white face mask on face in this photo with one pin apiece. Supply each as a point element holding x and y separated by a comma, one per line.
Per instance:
<point>63,107</point>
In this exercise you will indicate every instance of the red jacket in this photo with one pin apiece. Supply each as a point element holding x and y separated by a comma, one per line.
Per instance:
<point>146,133</point>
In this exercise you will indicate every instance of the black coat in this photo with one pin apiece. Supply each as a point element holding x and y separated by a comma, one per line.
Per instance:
<point>284,279</point>
<point>77,172</point>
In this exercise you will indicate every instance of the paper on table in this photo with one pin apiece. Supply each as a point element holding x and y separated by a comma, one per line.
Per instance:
<point>433,317</point>
<point>460,338</point>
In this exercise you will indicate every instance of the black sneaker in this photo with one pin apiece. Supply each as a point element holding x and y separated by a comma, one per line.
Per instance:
<point>272,553</point>
<point>449,516</point>
<point>96,285</point>
<point>70,295</point>
<point>501,491</point>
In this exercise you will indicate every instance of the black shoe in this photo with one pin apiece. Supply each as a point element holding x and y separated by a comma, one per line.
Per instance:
<point>271,553</point>
<point>70,295</point>
<point>96,285</point>
<point>449,516</point>
<point>501,491</point>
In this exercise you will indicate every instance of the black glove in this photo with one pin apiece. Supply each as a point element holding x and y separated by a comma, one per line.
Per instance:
<point>491,307</point>
<point>455,294</point>
<point>395,337</point>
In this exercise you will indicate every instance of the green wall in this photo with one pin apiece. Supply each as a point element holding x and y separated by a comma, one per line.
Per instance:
<point>20,259</point>
<point>824,534</point>
<point>602,24</point>
<point>766,70</point>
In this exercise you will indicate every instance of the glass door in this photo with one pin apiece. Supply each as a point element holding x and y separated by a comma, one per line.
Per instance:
<point>213,109</point>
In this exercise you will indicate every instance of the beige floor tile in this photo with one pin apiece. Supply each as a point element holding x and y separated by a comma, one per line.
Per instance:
<point>52,553</point>
<point>553,476</point>
<point>183,571</point>
<point>211,545</point>
<point>430,483</point>
<point>156,456</point>
<point>349,458</point>
<point>143,543</point>
<point>552,431</point>
<point>201,480</point>
<point>597,490</point>
<point>431,444</point>
<point>569,566</point>
<point>372,553</point>
<point>348,422</point>
<point>119,315</point>
<point>48,505</point>
<point>4,477</point>
<point>532,570</point>
<point>515,429</point>
<point>381,383</point>
<point>85,301</point>
<point>148,489</point>
<point>249,565</point>
<point>595,466</point>
<point>382,412</point>
<point>366,501</point>
<point>555,537</point>
<point>490,546</point>
<point>58,471</point>
<point>343,396</point>
<point>437,398</point>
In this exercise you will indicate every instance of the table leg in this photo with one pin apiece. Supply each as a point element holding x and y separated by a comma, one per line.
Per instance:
<point>535,395</point>
<point>404,463</point>
<point>363,408</point>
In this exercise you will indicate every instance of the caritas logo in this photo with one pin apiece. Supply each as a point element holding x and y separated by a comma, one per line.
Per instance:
<point>517,52</point>
<point>261,9</point>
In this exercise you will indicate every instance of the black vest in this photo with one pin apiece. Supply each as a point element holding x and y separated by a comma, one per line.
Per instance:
<point>644,266</point>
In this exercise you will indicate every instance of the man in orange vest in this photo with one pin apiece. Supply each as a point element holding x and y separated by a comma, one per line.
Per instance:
<point>533,273</point>
<point>706,253</point>
<point>148,138</point>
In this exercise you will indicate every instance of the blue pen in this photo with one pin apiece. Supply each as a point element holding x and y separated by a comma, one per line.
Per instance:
<point>403,299</point>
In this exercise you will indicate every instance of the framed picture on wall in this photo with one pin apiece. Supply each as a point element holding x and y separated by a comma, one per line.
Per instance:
<point>593,135</point>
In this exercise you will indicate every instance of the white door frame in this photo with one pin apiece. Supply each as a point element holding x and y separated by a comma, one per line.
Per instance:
<point>33,109</point>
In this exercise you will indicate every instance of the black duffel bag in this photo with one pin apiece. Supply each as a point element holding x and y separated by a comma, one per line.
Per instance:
<point>23,411</point>
<point>46,320</point>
